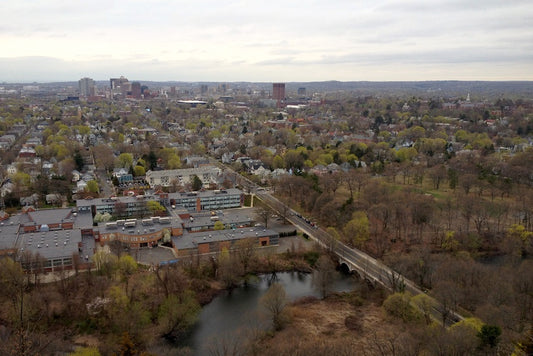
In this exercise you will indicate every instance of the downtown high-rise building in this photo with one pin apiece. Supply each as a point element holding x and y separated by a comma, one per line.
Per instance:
<point>136,91</point>
<point>278,93</point>
<point>87,87</point>
<point>116,83</point>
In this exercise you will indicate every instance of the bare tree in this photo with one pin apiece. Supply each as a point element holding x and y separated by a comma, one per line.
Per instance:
<point>104,157</point>
<point>245,249</point>
<point>324,275</point>
<point>263,215</point>
<point>171,279</point>
<point>274,301</point>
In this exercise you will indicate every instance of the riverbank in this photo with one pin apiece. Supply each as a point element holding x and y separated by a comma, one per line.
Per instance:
<point>123,303</point>
<point>238,319</point>
<point>337,325</point>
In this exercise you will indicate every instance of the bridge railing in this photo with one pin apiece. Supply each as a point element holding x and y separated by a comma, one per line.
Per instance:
<point>369,267</point>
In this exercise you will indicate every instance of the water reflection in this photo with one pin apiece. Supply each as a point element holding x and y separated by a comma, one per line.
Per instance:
<point>233,317</point>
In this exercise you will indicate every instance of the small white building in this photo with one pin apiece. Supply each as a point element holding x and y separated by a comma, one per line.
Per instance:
<point>11,169</point>
<point>76,176</point>
<point>81,185</point>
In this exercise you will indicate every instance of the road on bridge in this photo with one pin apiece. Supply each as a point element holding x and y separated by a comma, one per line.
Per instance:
<point>368,267</point>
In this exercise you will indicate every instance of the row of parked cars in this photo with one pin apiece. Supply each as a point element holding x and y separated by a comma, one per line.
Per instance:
<point>309,222</point>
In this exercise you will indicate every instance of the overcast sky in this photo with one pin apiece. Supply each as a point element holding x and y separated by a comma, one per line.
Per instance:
<point>274,40</point>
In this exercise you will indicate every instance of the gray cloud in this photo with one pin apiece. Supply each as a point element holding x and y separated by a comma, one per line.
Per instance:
<point>205,37</point>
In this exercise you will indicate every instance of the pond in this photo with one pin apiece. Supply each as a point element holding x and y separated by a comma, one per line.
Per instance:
<point>230,317</point>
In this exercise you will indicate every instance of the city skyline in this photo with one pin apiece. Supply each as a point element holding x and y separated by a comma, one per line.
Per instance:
<point>279,41</point>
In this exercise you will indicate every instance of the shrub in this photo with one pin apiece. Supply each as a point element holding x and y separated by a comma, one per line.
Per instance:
<point>399,306</point>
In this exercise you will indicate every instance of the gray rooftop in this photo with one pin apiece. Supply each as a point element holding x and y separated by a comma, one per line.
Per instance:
<point>51,216</point>
<point>51,244</point>
<point>9,231</point>
<point>84,220</point>
<point>206,193</point>
<point>142,226</point>
<point>237,217</point>
<point>191,240</point>
<point>184,171</point>
<point>126,199</point>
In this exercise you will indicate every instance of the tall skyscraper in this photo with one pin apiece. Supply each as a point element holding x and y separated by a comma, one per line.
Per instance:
<point>118,82</point>
<point>278,92</point>
<point>136,90</point>
<point>87,87</point>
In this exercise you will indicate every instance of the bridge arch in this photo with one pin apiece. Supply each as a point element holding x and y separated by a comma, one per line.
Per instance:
<point>347,268</point>
<point>344,268</point>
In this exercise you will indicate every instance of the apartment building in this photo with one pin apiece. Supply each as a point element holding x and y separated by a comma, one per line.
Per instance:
<point>207,174</point>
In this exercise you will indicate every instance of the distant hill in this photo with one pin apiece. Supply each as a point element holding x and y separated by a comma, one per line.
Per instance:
<point>445,88</point>
<point>523,89</point>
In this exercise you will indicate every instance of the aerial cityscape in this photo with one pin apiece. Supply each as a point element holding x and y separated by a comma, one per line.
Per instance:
<point>238,179</point>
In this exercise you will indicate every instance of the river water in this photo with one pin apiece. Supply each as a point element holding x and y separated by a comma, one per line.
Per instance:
<point>232,316</point>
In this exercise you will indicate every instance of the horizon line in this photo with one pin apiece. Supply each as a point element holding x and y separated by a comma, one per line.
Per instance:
<point>270,82</point>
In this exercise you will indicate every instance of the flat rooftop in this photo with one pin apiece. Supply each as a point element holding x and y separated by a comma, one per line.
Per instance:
<point>113,200</point>
<point>191,240</point>
<point>51,216</point>
<point>84,220</point>
<point>205,193</point>
<point>9,231</point>
<point>140,226</point>
<point>238,216</point>
<point>51,244</point>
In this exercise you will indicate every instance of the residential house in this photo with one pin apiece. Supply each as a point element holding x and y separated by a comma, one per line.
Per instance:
<point>6,189</point>
<point>52,199</point>
<point>47,168</point>
<point>11,170</point>
<point>29,200</point>
<point>76,176</point>
<point>319,169</point>
<point>81,185</point>
<point>197,161</point>
<point>27,152</point>
<point>227,157</point>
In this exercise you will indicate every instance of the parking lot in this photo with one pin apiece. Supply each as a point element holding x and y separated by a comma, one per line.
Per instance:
<point>153,256</point>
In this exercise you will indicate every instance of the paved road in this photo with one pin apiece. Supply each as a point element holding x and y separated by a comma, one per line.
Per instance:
<point>367,266</point>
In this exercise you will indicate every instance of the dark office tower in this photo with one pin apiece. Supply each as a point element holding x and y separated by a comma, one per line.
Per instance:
<point>278,92</point>
<point>301,91</point>
<point>136,90</point>
<point>203,89</point>
<point>87,87</point>
<point>222,88</point>
<point>118,82</point>
<point>173,91</point>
